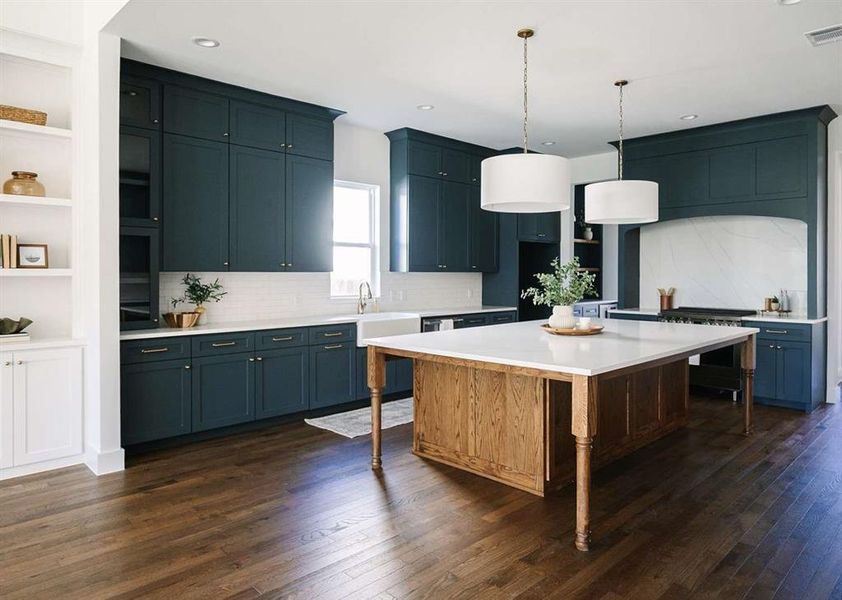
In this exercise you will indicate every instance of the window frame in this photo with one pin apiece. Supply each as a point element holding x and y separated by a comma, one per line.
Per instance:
<point>374,236</point>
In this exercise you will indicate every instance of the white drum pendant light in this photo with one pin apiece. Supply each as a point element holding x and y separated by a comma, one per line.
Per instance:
<point>621,202</point>
<point>525,183</point>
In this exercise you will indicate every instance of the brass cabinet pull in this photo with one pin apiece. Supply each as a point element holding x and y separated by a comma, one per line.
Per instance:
<point>282,339</point>
<point>772,346</point>
<point>251,359</point>
<point>223,344</point>
<point>333,334</point>
<point>153,350</point>
<point>781,331</point>
<point>187,367</point>
<point>333,346</point>
<point>8,363</point>
<point>259,358</point>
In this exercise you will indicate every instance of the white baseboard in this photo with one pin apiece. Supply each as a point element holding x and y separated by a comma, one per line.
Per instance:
<point>102,463</point>
<point>47,465</point>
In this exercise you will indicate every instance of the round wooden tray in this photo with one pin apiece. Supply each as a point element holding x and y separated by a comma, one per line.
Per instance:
<point>595,329</point>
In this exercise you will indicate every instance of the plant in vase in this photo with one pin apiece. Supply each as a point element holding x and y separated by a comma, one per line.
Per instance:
<point>561,289</point>
<point>197,293</point>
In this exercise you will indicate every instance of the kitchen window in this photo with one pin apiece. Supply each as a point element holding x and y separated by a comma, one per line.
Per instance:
<point>354,238</point>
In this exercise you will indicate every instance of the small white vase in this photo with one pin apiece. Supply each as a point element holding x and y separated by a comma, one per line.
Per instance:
<point>562,318</point>
<point>588,234</point>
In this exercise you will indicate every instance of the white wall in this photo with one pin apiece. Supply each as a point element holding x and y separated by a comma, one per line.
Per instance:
<point>834,255</point>
<point>361,155</point>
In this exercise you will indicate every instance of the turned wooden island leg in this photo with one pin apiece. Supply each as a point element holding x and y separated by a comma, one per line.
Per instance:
<point>583,420</point>
<point>376,383</point>
<point>747,363</point>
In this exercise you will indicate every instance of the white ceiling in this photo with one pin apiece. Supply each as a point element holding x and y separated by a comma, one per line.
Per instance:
<point>721,59</point>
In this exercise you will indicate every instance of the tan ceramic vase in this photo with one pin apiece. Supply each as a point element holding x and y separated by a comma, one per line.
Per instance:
<point>24,183</point>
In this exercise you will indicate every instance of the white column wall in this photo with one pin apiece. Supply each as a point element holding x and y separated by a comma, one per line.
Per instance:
<point>834,257</point>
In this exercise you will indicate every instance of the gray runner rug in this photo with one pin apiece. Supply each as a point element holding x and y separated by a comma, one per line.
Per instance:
<point>355,423</point>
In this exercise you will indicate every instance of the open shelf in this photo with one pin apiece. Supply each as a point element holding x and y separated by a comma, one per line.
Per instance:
<point>15,126</point>
<point>580,241</point>
<point>36,272</point>
<point>13,200</point>
<point>589,269</point>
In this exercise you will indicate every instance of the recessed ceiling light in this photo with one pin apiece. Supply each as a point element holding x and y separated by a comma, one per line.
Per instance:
<point>548,143</point>
<point>788,2</point>
<point>425,107</point>
<point>205,42</point>
<point>688,117</point>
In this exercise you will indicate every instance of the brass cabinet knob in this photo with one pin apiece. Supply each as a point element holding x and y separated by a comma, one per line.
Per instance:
<point>225,134</point>
<point>20,362</point>
<point>8,363</point>
<point>155,121</point>
<point>225,264</point>
<point>251,359</point>
<point>187,367</point>
<point>259,358</point>
<point>289,146</point>
<point>155,219</point>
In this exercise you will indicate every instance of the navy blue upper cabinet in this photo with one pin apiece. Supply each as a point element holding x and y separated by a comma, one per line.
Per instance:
<point>283,382</point>
<point>258,126</point>
<point>195,200</point>
<point>456,165</point>
<point>311,137</point>
<point>475,169</point>
<point>154,400</point>
<point>332,374</point>
<point>687,179</point>
<point>195,113</point>
<point>539,227</point>
<point>423,159</point>
<point>453,240</point>
<point>309,214</point>
<point>732,174</point>
<point>222,390</point>
<point>140,102</point>
<point>484,238</point>
<point>257,210</point>
<point>423,224</point>
<point>140,177</point>
<point>782,168</point>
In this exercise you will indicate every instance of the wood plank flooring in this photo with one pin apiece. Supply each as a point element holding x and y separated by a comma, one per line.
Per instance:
<point>295,512</point>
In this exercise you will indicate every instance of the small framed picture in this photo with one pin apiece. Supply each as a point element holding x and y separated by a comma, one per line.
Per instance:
<point>33,256</point>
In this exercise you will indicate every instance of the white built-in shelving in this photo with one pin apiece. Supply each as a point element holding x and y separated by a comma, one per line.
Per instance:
<point>35,273</point>
<point>28,128</point>
<point>32,201</point>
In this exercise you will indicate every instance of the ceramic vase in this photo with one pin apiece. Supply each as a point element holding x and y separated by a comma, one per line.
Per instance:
<point>201,310</point>
<point>588,234</point>
<point>562,318</point>
<point>24,183</point>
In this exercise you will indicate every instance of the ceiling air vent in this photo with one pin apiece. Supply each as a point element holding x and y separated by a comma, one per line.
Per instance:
<point>828,35</point>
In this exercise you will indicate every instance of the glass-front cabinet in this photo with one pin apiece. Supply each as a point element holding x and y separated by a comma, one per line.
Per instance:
<point>140,177</point>
<point>139,261</point>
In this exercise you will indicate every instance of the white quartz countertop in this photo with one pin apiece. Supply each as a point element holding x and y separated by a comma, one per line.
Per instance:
<point>769,317</point>
<point>621,344</point>
<point>310,321</point>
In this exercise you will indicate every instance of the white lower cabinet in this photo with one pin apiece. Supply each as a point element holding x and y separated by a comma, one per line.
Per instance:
<point>40,405</point>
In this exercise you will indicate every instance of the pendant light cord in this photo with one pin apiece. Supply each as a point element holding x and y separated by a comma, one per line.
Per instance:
<point>620,164</point>
<point>525,99</point>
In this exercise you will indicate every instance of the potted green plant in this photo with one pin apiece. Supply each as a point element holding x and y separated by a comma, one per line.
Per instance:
<point>561,289</point>
<point>197,293</point>
<point>776,304</point>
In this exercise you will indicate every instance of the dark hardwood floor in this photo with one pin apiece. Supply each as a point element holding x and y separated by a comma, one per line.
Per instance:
<point>293,511</point>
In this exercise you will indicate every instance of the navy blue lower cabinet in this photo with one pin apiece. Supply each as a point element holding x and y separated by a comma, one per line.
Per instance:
<point>332,374</point>
<point>223,390</point>
<point>765,370</point>
<point>398,375</point>
<point>789,369</point>
<point>154,400</point>
<point>282,382</point>
<point>794,371</point>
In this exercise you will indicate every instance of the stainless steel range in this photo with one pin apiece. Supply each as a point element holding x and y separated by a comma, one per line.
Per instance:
<point>719,369</point>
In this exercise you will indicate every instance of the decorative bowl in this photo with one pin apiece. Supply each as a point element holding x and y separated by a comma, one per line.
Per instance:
<point>593,330</point>
<point>181,320</point>
<point>8,326</point>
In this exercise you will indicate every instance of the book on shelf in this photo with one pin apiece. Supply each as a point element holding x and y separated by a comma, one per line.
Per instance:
<point>8,251</point>
<point>14,338</point>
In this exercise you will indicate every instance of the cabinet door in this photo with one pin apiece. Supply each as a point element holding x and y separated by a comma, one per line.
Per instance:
<point>453,227</point>
<point>332,374</point>
<point>47,400</point>
<point>527,227</point>
<point>475,169</point>
<point>548,227</point>
<point>455,165</point>
<point>782,168</point>
<point>195,202</point>
<point>766,370</point>
<point>283,382</point>
<point>6,411</point>
<point>311,137</point>
<point>423,159</point>
<point>424,197</point>
<point>258,126</point>
<point>154,400</point>
<point>732,174</point>
<point>139,270</point>
<point>309,214</point>
<point>688,179</point>
<point>194,113</point>
<point>222,390</point>
<point>793,372</point>
<point>399,379</point>
<point>484,235</point>
<point>140,102</point>
<point>257,209</point>
<point>140,177</point>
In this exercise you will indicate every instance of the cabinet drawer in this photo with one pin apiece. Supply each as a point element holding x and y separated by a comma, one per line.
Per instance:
<point>280,338</point>
<point>590,311</point>
<point>330,334</point>
<point>224,343</point>
<point>463,321</point>
<point>506,317</point>
<point>784,331</point>
<point>141,351</point>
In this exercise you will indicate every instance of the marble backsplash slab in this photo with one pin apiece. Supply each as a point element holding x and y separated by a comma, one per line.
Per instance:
<point>724,261</point>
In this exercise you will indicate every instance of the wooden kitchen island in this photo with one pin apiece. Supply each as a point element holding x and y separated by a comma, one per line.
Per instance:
<point>501,401</point>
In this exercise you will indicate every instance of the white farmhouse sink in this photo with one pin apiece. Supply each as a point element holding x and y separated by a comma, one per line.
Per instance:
<point>374,325</point>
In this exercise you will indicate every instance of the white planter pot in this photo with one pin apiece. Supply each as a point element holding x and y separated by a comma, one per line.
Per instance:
<point>562,318</point>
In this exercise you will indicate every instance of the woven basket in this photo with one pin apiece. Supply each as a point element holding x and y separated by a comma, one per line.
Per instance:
<point>22,115</point>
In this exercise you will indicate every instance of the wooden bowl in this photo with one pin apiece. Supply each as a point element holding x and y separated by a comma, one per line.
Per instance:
<point>595,329</point>
<point>181,320</point>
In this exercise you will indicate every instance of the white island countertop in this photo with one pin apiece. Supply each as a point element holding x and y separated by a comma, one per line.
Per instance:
<point>622,344</point>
